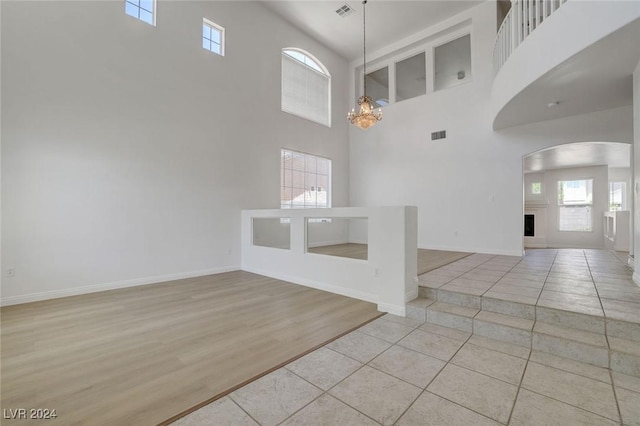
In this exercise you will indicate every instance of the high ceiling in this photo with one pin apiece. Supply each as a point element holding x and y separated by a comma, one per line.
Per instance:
<point>387,20</point>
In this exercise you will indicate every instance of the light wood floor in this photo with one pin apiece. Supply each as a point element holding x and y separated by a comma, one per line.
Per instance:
<point>145,354</point>
<point>428,260</point>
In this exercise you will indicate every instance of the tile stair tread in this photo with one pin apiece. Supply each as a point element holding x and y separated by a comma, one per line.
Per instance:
<point>421,302</point>
<point>454,309</point>
<point>506,320</point>
<point>581,336</point>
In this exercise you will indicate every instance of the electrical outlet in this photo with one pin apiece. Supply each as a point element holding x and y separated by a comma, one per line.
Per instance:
<point>11,272</point>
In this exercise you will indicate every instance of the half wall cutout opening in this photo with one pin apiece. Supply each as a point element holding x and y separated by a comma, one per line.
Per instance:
<point>274,232</point>
<point>342,237</point>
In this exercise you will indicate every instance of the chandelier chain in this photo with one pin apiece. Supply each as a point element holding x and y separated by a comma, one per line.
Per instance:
<point>364,45</point>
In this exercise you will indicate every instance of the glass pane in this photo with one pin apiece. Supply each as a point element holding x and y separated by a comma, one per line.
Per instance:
<point>310,164</point>
<point>324,166</point>
<point>206,44</point>
<point>147,5</point>
<point>206,31</point>
<point>536,188</point>
<point>215,48</point>
<point>297,162</point>
<point>215,35</point>
<point>411,78</point>
<point>297,179</point>
<point>452,63</point>
<point>131,9</point>
<point>146,16</point>
<point>378,87</point>
<point>575,192</point>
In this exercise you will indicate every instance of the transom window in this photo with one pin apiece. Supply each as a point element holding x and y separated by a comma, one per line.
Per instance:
<point>575,201</point>
<point>305,181</point>
<point>212,37</point>
<point>143,10</point>
<point>306,87</point>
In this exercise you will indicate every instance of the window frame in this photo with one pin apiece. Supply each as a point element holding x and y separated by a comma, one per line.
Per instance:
<point>586,203</point>
<point>427,46</point>
<point>139,7</point>
<point>305,172</point>
<point>323,72</point>
<point>220,29</point>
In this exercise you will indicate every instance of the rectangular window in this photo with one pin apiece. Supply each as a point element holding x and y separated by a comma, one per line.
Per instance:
<point>212,37</point>
<point>575,200</point>
<point>452,63</point>
<point>378,87</point>
<point>411,78</point>
<point>143,10</point>
<point>536,188</point>
<point>617,196</point>
<point>305,181</point>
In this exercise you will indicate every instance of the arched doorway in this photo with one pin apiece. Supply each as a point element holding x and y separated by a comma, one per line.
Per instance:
<point>578,195</point>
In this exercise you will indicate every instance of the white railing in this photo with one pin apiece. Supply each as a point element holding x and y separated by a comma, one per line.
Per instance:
<point>523,18</point>
<point>277,243</point>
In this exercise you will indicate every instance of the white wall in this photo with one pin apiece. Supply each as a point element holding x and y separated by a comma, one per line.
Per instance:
<point>128,151</point>
<point>469,186</point>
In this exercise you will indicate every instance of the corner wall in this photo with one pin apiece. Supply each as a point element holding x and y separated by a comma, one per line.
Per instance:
<point>636,173</point>
<point>128,151</point>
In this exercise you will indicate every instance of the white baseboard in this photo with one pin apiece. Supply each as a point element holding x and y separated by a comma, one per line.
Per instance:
<point>518,253</point>
<point>55,294</point>
<point>343,291</point>
<point>410,295</point>
<point>401,311</point>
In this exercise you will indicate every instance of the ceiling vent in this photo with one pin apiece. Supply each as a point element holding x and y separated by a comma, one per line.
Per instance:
<point>345,10</point>
<point>442,134</point>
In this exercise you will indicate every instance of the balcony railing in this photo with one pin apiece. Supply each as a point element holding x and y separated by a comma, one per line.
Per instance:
<point>523,18</point>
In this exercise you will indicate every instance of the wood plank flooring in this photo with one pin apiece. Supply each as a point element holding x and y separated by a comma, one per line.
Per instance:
<point>145,354</point>
<point>428,260</point>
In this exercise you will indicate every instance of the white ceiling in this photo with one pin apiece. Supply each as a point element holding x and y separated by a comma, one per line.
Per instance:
<point>581,154</point>
<point>595,79</point>
<point>387,20</point>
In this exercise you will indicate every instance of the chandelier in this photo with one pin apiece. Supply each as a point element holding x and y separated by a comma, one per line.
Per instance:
<point>366,116</point>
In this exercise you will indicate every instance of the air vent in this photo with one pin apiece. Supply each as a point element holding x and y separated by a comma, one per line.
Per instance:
<point>438,135</point>
<point>345,10</point>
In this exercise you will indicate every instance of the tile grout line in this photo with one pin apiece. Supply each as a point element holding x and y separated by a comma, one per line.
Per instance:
<point>515,400</point>
<point>606,336</point>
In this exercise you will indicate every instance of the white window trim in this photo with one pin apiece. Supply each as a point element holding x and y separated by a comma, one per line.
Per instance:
<point>213,25</point>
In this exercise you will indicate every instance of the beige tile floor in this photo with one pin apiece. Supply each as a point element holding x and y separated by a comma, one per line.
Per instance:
<point>400,371</point>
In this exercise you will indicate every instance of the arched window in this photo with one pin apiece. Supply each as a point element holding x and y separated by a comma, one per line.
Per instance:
<point>306,86</point>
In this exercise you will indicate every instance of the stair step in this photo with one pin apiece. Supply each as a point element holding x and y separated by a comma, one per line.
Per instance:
<point>625,356</point>
<point>566,342</point>
<point>509,307</point>
<point>452,316</point>
<point>416,309</point>
<point>461,299</point>
<point>506,328</point>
